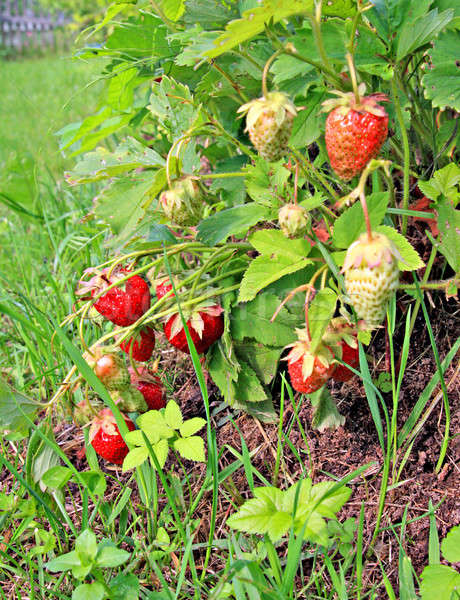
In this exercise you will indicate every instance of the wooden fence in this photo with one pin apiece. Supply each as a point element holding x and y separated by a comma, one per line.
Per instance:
<point>23,23</point>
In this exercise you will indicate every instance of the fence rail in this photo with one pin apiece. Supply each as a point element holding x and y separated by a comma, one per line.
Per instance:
<point>24,23</point>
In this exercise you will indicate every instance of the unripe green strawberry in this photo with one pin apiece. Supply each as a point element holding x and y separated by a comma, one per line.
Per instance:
<point>371,276</point>
<point>294,220</point>
<point>183,202</point>
<point>112,371</point>
<point>269,123</point>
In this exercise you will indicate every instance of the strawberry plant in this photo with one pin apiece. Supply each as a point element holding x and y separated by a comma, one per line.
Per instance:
<point>277,187</point>
<point>186,181</point>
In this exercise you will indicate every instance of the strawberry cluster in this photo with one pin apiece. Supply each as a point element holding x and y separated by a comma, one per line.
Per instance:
<point>310,369</point>
<point>123,299</point>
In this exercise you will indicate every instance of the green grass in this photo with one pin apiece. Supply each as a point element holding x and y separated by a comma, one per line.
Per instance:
<point>38,97</point>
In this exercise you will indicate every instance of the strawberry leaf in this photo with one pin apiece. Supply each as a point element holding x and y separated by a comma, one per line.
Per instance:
<point>89,591</point>
<point>441,80</point>
<point>191,426</point>
<point>252,320</point>
<point>264,270</point>
<point>449,227</point>
<point>326,415</point>
<point>173,415</point>
<point>450,545</point>
<point>439,582</point>
<point>191,448</point>
<point>351,223</point>
<point>410,256</point>
<point>134,458</point>
<point>255,19</point>
<point>233,221</point>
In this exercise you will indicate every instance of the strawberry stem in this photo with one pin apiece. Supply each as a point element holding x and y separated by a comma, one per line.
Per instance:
<point>265,71</point>
<point>296,181</point>
<point>362,198</point>
<point>354,81</point>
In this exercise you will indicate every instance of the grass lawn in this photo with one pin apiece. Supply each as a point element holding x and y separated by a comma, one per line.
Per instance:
<point>39,97</point>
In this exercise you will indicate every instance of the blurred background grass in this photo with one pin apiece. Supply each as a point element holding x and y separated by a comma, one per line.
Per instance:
<point>38,97</point>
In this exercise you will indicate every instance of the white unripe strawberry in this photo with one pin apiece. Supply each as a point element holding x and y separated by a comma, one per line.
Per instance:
<point>269,124</point>
<point>294,220</point>
<point>371,276</point>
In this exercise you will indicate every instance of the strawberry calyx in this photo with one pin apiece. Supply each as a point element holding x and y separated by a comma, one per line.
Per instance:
<point>301,349</point>
<point>104,421</point>
<point>101,279</point>
<point>278,104</point>
<point>347,101</point>
<point>371,253</point>
<point>194,317</point>
<point>143,374</point>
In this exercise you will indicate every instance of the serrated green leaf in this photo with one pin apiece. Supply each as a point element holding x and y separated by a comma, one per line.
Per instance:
<point>252,320</point>
<point>134,458</point>
<point>15,408</point>
<point>261,358</point>
<point>172,105</point>
<point>326,415</point>
<point>232,221</point>
<point>351,223</point>
<point>111,557</point>
<point>273,242</point>
<point>255,19</point>
<point>191,448</point>
<point>191,426</point>
<point>414,35</point>
<point>450,546</point>
<point>410,256</point>
<point>211,14</point>
<point>161,450</point>
<point>89,591</point>
<point>320,313</point>
<point>441,80</point>
<point>123,203</point>
<point>449,228</point>
<point>260,514</point>
<point>248,388</point>
<point>439,582</point>
<point>135,437</point>
<point>173,9</point>
<point>102,164</point>
<point>173,415</point>
<point>153,419</point>
<point>332,503</point>
<point>263,271</point>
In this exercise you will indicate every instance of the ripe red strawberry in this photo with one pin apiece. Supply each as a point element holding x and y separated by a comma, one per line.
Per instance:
<point>111,370</point>
<point>206,325</point>
<point>143,344</point>
<point>309,371</point>
<point>106,439</point>
<point>341,336</point>
<point>355,131</point>
<point>123,304</point>
<point>150,387</point>
<point>350,356</point>
<point>163,288</point>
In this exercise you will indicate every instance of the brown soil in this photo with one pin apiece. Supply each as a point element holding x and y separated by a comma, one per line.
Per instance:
<point>339,452</point>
